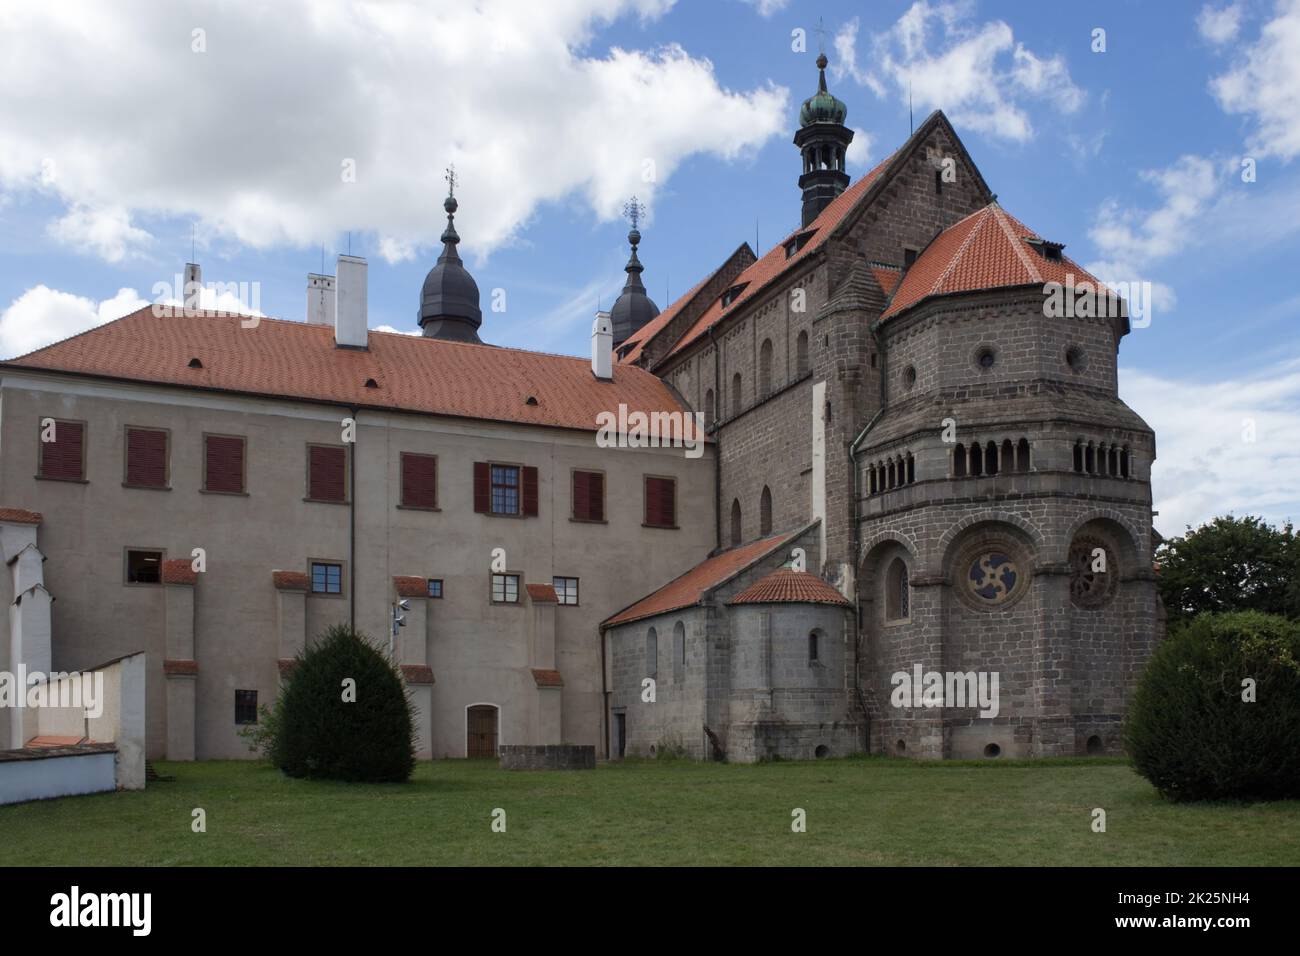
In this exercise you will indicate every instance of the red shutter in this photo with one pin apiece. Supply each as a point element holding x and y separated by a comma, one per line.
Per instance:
<point>482,487</point>
<point>596,499</point>
<point>582,495</point>
<point>530,491</point>
<point>419,481</point>
<point>224,464</point>
<point>146,457</point>
<point>62,458</point>
<point>327,473</point>
<point>668,498</point>
<point>661,502</point>
<point>651,501</point>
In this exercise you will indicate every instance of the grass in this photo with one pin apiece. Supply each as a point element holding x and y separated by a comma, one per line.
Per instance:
<point>860,811</point>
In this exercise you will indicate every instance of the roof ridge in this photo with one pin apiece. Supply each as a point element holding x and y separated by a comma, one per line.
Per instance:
<point>1015,240</point>
<point>961,250</point>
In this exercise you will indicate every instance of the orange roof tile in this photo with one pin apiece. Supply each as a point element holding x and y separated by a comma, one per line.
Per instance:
<point>179,571</point>
<point>986,250</point>
<point>55,740</point>
<point>410,586</point>
<point>417,673</point>
<point>543,594</point>
<point>775,264</point>
<point>295,360</point>
<point>547,678</point>
<point>290,580</point>
<point>787,586</point>
<point>20,516</point>
<point>689,589</point>
<point>641,336</point>
<point>887,276</point>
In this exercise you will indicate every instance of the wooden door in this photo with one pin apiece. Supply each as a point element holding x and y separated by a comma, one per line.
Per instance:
<point>482,723</point>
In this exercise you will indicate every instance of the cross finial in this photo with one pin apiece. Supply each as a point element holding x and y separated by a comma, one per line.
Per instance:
<point>634,211</point>
<point>450,176</point>
<point>821,36</point>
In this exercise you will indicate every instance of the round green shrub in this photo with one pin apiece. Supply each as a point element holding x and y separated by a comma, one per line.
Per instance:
<point>1190,732</point>
<point>316,731</point>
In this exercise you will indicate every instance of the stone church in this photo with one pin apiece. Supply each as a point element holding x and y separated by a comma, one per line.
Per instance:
<point>908,466</point>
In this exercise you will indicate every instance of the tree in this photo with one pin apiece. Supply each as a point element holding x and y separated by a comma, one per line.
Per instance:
<point>1231,564</point>
<point>343,714</point>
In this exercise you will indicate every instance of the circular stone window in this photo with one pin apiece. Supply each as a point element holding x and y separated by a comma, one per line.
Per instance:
<point>986,358</point>
<point>1094,578</point>
<point>992,574</point>
<point>992,750</point>
<point>909,377</point>
<point>1074,358</point>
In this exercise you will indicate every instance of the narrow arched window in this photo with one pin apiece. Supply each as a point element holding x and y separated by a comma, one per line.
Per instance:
<point>991,458</point>
<point>1078,456</point>
<point>813,649</point>
<point>897,591</point>
<point>976,459</point>
<point>801,353</point>
<point>959,461</point>
<point>1112,461</point>
<point>871,479</point>
<point>911,468</point>
<point>735,394</point>
<point>1125,463</point>
<point>1022,455</point>
<point>765,512</point>
<point>765,368</point>
<point>679,646</point>
<point>735,522</point>
<point>1090,459</point>
<point>1008,455</point>
<point>651,653</point>
<point>710,408</point>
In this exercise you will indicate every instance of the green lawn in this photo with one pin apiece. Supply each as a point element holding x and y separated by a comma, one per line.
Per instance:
<point>860,811</point>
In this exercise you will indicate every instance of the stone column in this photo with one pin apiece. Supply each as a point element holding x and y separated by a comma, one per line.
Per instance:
<point>180,663</point>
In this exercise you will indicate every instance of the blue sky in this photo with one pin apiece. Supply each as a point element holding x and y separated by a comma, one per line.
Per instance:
<point>126,130</point>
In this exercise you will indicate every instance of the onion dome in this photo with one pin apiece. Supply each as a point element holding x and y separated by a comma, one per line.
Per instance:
<point>633,308</point>
<point>822,107</point>
<point>449,301</point>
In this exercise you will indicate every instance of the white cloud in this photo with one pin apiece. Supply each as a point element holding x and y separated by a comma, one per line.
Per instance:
<point>42,315</point>
<point>859,151</point>
<point>1205,465</point>
<point>251,137</point>
<point>767,8</point>
<point>1132,242</point>
<point>976,72</point>
<point>1219,26</point>
<point>106,232</point>
<point>1264,83</point>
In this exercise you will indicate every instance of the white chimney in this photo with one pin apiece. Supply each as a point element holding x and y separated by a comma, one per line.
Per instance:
<point>193,288</point>
<point>350,322</point>
<point>320,299</point>
<point>602,347</point>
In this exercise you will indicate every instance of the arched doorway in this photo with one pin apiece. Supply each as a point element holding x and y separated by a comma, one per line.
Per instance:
<point>481,721</point>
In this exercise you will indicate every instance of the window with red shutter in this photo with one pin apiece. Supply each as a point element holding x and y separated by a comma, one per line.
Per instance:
<point>530,492</point>
<point>482,487</point>
<point>327,472</point>
<point>223,464</point>
<point>419,481</point>
<point>588,496</point>
<point>64,458</point>
<point>660,502</point>
<point>146,457</point>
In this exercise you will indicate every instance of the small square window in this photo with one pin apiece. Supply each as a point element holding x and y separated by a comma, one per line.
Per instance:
<point>144,567</point>
<point>245,706</point>
<point>326,578</point>
<point>505,589</point>
<point>505,489</point>
<point>435,587</point>
<point>566,589</point>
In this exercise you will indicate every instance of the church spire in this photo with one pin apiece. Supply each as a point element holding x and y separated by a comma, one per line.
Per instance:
<point>633,308</point>
<point>449,301</point>
<point>823,140</point>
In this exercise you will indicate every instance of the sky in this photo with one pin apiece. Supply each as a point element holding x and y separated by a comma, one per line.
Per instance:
<point>1158,141</point>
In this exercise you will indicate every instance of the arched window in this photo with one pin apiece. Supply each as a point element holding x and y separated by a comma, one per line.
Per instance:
<point>1078,455</point>
<point>813,649</point>
<point>959,461</point>
<point>679,644</point>
<point>1090,459</point>
<point>735,522</point>
<point>1022,455</point>
<point>991,458</point>
<point>765,512</point>
<point>1112,461</point>
<point>765,367</point>
<point>801,353</point>
<point>651,653</point>
<point>976,459</point>
<point>735,395</point>
<point>897,592</point>
<point>911,468</point>
<point>1008,455</point>
<point>1125,463</point>
<point>710,408</point>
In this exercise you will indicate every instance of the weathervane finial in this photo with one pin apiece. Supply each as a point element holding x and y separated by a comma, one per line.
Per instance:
<point>450,176</point>
<point>634,211</point>
<point>821,36</point>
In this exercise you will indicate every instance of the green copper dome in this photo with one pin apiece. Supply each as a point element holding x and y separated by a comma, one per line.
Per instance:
<point>821,107</point>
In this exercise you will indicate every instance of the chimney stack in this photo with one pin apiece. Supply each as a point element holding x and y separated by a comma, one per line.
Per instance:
<point>602,347</point>
<point>351,323</point>
<point>320,299</point>
<point>191,292</point>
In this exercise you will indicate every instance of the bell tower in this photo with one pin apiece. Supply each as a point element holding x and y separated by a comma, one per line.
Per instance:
<point>823,140</point>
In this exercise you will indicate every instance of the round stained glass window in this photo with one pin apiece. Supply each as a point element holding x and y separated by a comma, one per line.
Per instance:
<point>1094,578</point>
<point>992,573</point>
<point>992,576</point>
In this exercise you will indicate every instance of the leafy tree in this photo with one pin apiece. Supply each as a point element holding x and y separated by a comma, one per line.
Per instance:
<point>1216,714</point>
<point>343,715</point>
<point>1231,564</point>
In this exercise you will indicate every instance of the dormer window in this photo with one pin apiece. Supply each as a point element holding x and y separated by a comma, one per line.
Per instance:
<point>1050,251</point>
<point>797,242</point>
<point>732,294</point>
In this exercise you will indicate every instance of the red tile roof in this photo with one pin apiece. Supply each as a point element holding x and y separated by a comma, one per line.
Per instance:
<point>179,571</point>
<point>641,336</point>
<point>543,594</point>
<point>787,586</point>
<point>689,589</point>
<point>775,264</point>
<point>887,276</point>
<point>20,516</point>
<point>410,586</point>
<point>547,678</point>
<point>290,580</point>
<point>295,360</point>
<point>417,673</point>
<point>986,250</point>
